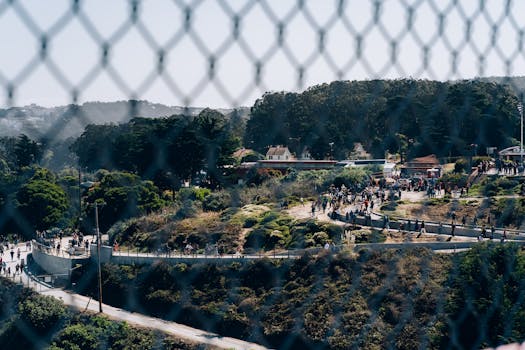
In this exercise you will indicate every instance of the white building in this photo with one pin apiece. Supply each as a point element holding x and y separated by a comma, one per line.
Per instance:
<point>279,153</point>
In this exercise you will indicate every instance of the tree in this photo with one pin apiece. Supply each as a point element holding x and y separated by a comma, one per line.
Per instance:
<point>125,195</point>
<point>27,151</point>
<point>94,148</point>
<point>42,202</point>
<point>216,141</point>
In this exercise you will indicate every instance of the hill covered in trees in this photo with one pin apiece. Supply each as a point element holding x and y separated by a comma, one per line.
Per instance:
<point>409,116</point>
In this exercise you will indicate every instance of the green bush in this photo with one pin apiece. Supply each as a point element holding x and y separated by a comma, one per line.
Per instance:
<point>250,222</point>
<point>77,337</point>
<point>188,209</point>
<point>454,179</point>
<point>369,236</point>
<point>216,201</point>
<point>193,193</point>
<point>461,166</point>
<point>493,186</point>
<point>42,312</point>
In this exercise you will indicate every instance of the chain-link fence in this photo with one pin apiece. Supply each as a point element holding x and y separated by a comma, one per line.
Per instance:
<point>77,57</point>
<point>223,54</point>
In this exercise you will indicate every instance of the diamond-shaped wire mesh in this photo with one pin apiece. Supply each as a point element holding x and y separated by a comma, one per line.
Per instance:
<point>227,54</point>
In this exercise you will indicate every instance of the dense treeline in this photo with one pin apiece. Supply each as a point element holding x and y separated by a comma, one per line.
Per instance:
<point>406,299</point>
<point>417,117</point>
<point>167,150</point>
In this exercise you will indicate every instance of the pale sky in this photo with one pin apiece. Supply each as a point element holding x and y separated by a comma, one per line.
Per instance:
<point>483,36</point>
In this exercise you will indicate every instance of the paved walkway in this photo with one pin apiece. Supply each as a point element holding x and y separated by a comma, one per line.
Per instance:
<point>84,303</point>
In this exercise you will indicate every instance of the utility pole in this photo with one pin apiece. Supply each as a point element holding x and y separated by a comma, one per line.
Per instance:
<point>79,199</point>
<point>520,109</point>
<point>98,258</point>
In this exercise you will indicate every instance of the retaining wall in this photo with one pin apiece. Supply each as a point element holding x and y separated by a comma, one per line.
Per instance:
<point>52,264</point>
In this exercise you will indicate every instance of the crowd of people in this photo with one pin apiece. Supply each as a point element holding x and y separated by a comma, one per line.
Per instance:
<point>13,249</point>
<point>507,167</point>
<point>349,205</point>
<point>52,242</point>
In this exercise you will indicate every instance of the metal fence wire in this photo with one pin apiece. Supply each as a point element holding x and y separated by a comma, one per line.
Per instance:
<point>226,54</point>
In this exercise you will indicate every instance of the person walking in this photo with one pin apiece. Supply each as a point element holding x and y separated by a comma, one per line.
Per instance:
<point>422,231</point>
<point>12,254</point>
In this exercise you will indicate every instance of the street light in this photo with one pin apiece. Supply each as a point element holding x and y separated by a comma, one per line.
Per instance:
<point>87,185</point>
<point>98,260</point>
<point>520,109</point>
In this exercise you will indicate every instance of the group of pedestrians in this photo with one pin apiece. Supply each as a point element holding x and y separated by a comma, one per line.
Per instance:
<point>507,167</point>
<point>362,202</point>
<point>13,257</point>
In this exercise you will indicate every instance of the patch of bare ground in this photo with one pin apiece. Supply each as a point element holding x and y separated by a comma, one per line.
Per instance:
<point>440,211</point>
<point>304,211</point>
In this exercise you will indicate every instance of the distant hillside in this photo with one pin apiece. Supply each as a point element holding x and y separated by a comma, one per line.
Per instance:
<point>517,84</point>
<point>66,121</point>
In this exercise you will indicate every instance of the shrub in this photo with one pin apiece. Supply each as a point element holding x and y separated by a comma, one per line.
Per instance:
<point>454,179</point>
<point>187,210</point>
<point>320,238</point>
<point>461,166</point>
<point>250,222</point>
<point>77,336</point>
<point>194,193</point>
<point>42,312</point>
<point>216,201</point>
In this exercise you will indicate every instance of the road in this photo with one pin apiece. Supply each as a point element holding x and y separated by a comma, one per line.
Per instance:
<point>84,303</point>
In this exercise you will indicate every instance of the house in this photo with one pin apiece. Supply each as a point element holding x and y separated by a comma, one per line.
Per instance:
<point>279,153</point>
<point>427,166</point>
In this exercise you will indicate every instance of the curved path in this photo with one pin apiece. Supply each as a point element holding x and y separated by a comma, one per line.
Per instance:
<point>84,303</point>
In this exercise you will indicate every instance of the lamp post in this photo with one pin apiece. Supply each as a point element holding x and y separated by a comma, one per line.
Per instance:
<point>520,109</point>
<point>87,185</point>
<point>79,199</point>
<point>98,260</point>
